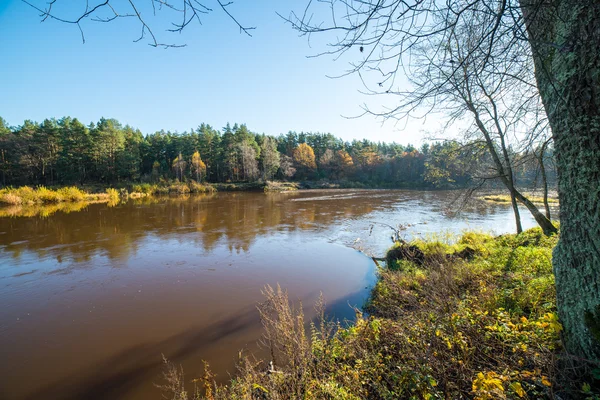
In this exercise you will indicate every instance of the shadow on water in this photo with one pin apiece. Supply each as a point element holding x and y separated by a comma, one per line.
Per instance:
<point>123,372</point>
<point>116,376</point>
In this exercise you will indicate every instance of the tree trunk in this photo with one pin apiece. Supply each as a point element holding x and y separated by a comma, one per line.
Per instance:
<point>540,218</point>
<point>565,38</point>
<point>515,207</point>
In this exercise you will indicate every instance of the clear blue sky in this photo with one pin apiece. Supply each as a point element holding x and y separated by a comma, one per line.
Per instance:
<point>265,81</point>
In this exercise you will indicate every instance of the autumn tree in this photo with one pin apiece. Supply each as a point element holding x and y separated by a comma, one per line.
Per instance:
<point>343,164</point>
<point>304,158</point>
<point>198,166</point>
<point>179,166</point>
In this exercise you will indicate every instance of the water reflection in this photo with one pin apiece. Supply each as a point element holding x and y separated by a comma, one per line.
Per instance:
<point>237,218</point>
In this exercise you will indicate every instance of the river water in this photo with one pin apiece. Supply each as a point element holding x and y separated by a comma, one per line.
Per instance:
<point>92,299</point>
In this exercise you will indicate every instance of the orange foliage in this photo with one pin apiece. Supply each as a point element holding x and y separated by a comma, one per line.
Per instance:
<point>304,156</point>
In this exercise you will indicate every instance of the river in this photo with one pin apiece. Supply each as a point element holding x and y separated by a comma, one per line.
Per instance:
<point>92,299</point>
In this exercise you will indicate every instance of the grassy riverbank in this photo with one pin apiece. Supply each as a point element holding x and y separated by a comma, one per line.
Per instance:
<point>503,198</point>
<point>26,195</point>
<point>472,319</point>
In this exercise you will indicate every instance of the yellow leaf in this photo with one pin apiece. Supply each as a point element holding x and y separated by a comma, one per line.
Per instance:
<point>545,381</point>
<point>518,389</point>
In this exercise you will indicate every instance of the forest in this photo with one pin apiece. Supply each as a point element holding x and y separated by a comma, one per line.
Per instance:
<point>65,151</point>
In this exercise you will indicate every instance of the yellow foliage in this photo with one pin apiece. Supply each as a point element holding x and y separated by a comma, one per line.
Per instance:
<point>304,156</point>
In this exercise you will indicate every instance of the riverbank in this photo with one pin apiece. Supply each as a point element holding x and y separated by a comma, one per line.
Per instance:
<point>26,195</point>
<point>480,325</point>
<point>29,196</point>
<point>533,197</point>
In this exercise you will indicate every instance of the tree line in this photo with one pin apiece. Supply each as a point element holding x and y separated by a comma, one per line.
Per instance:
<point>66,151</point>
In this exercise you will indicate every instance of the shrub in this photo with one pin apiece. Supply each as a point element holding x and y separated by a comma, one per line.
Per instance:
<point>113,195</point>
<point>179,188</point>
<point>27,195</point>
<point>71,193</point>
<point>10,197</point>
<point>145,188</point>
<point>45,195</point>
<point>196,187</point>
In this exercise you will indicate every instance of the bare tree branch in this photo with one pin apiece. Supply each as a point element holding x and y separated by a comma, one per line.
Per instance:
<point>109,10</point>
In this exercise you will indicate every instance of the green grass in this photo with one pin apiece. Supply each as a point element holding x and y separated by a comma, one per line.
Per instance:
<point>506,199</point>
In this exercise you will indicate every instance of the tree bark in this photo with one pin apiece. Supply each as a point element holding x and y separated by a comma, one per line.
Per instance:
<point>565,39</point>
<point>515,206</point>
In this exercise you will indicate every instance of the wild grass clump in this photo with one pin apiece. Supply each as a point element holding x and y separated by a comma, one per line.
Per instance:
<point>145,188</point>
<point>196,187</point>
<point>113,196</point>
<point>71,193</point>
<point>179,188</point>
<point>48,196</point>
<point>11,198</point>
<point>41,195</point>
<point>278,186</point>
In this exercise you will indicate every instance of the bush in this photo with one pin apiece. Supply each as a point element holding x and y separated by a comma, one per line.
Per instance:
<point>27,195</point>
<point>8,196</point>
<point>71,193</point>
<point>196,187</point>
<point>48,196</point>
<point>113,195</point>
<point>145,188</point>
<point>179,188</point>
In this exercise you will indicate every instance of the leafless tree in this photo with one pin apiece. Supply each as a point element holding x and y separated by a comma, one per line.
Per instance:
<point>326,159</point>
<point>249,163</point>
<point>270,157</point>
<point>286,166</point>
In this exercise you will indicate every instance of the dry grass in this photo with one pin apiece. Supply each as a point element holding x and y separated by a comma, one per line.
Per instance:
<point>506,199</point>
<point>41,195</point>
<point>29,202</point>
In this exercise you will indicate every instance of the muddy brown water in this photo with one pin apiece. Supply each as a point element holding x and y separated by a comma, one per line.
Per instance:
<point>92,299</point>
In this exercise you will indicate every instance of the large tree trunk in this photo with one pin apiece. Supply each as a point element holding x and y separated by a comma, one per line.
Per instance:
<point>565,38</point>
